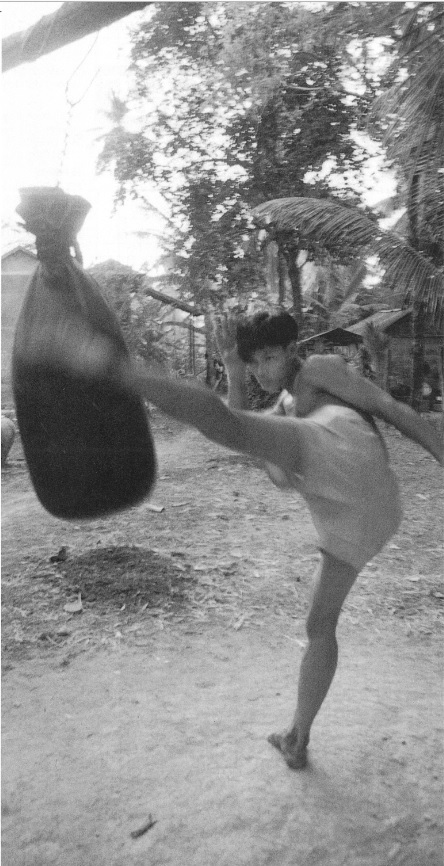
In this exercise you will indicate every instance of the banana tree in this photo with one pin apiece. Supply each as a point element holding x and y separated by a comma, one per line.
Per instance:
<point>414,140</point>
<point>339,229</point>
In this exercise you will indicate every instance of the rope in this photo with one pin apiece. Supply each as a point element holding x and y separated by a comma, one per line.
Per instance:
<point>72,103</point>
<point>81,64</point>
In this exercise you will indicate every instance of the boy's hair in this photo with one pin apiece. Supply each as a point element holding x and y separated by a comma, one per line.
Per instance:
<point>264,329</point>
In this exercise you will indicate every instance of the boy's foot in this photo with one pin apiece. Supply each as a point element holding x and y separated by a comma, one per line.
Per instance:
<point>295,756</point>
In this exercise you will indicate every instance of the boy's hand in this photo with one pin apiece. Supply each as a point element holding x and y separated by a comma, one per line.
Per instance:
<point>224,327</point>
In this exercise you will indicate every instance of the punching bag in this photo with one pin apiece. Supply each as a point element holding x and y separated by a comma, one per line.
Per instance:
<point>87,441</point>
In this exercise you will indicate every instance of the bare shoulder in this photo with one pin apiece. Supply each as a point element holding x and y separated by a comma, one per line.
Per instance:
<point>332,374</point>
<point>322,370</point>
<point>321,362</point>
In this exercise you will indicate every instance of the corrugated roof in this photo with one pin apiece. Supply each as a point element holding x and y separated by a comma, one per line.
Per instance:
<point>381,320</point>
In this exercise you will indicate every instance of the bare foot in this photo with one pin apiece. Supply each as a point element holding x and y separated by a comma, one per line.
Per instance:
<point>294,755</point>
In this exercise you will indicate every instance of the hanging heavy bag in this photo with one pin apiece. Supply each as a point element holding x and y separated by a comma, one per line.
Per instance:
<point>86,440</point>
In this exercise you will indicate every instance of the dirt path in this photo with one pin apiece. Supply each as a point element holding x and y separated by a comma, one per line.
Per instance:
<point>163,708</point>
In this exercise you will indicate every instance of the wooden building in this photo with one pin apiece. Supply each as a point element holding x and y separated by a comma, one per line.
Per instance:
<point>336,339</point>
<point>18,266</point>
<point>397,325</point>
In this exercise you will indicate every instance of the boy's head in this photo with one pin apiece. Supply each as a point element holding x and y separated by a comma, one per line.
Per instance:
<point>268,344</point>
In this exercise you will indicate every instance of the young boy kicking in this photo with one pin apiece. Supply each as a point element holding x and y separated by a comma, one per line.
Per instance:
<point>321,440</point>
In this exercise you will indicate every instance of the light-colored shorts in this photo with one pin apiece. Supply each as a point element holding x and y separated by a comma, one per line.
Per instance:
<point>347,483</point>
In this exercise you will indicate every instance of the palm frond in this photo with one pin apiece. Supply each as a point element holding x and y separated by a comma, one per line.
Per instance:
<point>320,221</point>
<point>412,109</point>
<point>421,102</point>
<point>338,229</point>
<point>414,37</point>
<point>407,269</point>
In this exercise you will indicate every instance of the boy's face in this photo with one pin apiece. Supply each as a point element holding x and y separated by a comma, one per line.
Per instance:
<point>271,366</point>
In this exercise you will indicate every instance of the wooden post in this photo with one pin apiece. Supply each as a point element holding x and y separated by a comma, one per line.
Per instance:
<point>418,324</point>
<point>441,382</point>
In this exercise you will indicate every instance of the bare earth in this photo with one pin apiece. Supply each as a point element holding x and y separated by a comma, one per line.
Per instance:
<point>156,699</point>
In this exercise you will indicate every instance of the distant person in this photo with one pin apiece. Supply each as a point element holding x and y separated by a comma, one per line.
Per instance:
<point>428,392</point>
<point>219,371</point>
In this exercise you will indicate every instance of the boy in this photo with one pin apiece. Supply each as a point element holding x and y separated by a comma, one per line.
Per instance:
<point>320,440</point>
<point>340,467</point>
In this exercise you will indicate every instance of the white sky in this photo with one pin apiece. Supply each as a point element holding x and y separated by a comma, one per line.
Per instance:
<point>34,115</point>
<point>34,120</point>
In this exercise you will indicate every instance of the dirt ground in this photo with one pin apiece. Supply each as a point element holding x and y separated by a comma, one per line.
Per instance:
<point>156,698</point>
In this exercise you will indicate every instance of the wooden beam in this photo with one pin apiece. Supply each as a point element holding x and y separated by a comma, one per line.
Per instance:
<point>72,21</point>
<point>184,325</point>
<point>172,302</point>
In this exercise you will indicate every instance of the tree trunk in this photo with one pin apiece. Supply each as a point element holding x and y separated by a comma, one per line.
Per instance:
<point>281,276</point>
<point>441,383</point>
<point>289,249</point>
<point>296,289</point>
<point>417,355</point>
<point>192,346</point>
<point>382,362</point>
<point>211,350</point>
<point>387,366</point>
<point>413,207</point>
<point>290,252</point>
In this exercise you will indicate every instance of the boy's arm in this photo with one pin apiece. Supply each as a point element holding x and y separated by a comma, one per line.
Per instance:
<point>224,328</point>
<point>237,385</point>
<point>332,374</point>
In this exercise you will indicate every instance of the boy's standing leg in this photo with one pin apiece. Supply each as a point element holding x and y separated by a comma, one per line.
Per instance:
<point>332,585</point>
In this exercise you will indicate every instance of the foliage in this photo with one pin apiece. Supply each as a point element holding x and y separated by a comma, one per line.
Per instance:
<point>138,317</point>
<point>411,112</point>
<point>332,226</point>
<point>241,108</point>
<point>150,327</point>
<point>409,115</point>
<point>232,103</point>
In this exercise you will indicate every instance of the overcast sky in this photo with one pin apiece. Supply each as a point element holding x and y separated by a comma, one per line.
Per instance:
<point>34,123</point>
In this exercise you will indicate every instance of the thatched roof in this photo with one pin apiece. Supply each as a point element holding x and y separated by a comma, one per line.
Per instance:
<point>335,336</point>
<point>384,320</point>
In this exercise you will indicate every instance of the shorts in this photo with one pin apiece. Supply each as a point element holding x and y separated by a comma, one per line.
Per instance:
<point>347,483</point>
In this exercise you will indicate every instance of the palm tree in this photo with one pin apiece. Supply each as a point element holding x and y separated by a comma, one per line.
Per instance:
<point>377,345</point>
<point>337,228</point>
<point>411,114</point>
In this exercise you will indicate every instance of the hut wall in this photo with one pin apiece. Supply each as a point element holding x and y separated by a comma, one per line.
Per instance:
<point>401,356</point>
<point>17,270</point>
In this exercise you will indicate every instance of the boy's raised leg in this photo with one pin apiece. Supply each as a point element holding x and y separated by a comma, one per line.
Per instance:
<point>332,585</point>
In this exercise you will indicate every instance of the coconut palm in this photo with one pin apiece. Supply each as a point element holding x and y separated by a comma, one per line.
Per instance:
<point>338,228</point>
<point>411,115</point>
<point>414,139</point>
